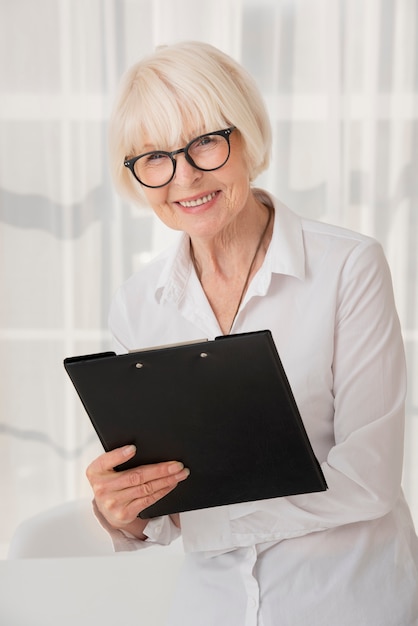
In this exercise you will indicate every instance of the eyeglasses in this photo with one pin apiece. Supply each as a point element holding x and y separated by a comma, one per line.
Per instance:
<point>207,153</point>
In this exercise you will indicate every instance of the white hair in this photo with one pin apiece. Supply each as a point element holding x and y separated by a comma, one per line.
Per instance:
<point>185,87</point>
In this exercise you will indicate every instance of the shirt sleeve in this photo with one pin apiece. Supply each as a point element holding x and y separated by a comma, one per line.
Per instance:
<point>159,530</point>
<point>363,469</point>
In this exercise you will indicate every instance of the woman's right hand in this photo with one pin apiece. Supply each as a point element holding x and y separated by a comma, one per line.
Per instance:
<point>121,496</point>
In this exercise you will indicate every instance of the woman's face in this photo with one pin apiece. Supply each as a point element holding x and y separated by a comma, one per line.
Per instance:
<point>199,203</point>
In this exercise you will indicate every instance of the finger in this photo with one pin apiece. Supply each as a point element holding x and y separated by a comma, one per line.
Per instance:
<point>135,483</point>
<point>107,461</point>
<point>159,484</point>
<point>139,498</point>
<point>148,473</point>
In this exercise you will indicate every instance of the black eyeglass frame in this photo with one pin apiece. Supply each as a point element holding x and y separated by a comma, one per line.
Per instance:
<point>226,132</point>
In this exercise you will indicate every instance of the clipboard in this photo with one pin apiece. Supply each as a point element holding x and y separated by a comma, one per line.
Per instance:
<point>223,407</point>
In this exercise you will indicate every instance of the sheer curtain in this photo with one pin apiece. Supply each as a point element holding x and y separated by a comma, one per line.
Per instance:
<point>340,78</point>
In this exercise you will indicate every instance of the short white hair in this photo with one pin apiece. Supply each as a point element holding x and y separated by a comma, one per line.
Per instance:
<point>187,86</point>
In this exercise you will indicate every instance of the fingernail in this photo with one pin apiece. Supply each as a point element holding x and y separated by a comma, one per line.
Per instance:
<point>129,450</point>
<point>175,467</point>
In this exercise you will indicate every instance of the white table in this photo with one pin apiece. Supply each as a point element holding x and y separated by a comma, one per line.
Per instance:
<point>122,589</point>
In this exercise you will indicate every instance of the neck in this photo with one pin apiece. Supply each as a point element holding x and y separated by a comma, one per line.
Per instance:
<point>232,251</point>
<point>225,271</point>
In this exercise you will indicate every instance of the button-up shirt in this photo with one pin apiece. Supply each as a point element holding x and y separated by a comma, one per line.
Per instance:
<point>344,557</point>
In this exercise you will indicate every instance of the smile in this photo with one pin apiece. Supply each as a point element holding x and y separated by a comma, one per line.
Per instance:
<point>192,203</point>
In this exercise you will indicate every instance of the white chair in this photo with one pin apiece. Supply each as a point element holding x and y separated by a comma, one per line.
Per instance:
<point>67,530</point>
<point>43,585</point>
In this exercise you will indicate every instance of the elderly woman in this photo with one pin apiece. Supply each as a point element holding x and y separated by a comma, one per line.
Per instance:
<point>188,136</point>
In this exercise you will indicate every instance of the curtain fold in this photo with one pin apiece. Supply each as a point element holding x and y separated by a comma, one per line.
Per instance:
<point>340,79</point>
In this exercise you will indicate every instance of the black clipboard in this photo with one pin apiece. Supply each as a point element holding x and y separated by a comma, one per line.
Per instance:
<point>223,407</point>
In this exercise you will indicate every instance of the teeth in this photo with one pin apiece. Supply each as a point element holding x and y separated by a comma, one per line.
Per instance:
<point>199,201</point>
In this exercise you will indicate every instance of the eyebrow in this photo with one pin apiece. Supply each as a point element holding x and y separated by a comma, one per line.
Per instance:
<point>151,147</point>
<point>148,147</point>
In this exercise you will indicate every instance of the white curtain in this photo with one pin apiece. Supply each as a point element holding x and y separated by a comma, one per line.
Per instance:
<point>340,78</point>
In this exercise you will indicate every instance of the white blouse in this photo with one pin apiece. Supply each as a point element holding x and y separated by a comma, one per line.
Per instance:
<point>344,557</point>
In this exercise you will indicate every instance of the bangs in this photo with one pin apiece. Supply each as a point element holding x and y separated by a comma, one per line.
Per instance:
<point>166,117</point>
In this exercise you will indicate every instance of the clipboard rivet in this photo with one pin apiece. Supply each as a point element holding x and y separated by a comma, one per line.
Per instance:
<point>203,355</point>
<point>139,365</point>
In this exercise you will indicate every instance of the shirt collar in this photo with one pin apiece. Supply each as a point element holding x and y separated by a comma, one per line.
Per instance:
<point>176,271</point>
<point>285,255</point>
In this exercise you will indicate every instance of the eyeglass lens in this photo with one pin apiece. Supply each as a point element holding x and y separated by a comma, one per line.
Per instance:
<point>207,153</point>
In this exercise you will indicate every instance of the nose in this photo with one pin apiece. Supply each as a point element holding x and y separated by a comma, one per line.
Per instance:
<point>185,173</point>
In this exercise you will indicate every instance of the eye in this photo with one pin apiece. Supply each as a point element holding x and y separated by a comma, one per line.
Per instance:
<point>153,159</point>
<point>205,141</point>
<point>155,156</point>
<point>205,144</point>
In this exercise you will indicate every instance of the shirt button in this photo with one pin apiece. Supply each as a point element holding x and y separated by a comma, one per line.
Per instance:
<point>252,602</point>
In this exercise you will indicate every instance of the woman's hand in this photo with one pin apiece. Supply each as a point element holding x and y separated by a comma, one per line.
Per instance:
<point>121,496</point>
